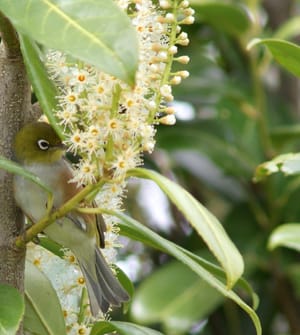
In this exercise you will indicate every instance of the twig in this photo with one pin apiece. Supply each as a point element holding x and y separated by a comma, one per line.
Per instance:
<point>57,214</point>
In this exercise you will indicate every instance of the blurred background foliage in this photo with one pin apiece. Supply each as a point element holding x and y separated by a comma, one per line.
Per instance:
<point>237,110</point>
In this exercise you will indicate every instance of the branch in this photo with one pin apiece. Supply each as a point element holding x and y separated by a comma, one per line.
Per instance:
<point>70,205</point>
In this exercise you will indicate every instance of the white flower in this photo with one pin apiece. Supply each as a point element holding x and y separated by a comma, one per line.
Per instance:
<point>109,124</point>
<point>76,141</point>
<point>80,329</point>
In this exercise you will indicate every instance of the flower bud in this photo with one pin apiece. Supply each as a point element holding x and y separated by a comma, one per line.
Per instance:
<point>169,110</point>
<point>183,42</point>
<point>183,59</point>
<point>176,80</point>
<point>189,12</point>
<point>184,4</point>
<point>188,20</point>
<point>173,50</point>
<point>170,18</point>
<point>183,74</point>
<point>165,90</point>
<point>164,4</point>
<point>168,120</point>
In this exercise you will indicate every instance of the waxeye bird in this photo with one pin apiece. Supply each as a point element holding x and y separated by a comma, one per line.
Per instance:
<point>39,149</point>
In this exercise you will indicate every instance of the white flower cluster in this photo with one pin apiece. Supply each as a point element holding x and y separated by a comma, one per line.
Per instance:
<point>109,124</point>
<point>106,121</point>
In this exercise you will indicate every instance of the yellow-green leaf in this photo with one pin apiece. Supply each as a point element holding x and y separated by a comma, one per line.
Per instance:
<point>15,168</point>
<point>11,309</point>
<point>43,86</point>
<point>287,54</point>
<point>286,235</point>
<point>204,222</point>
<point>288,164</point>
<point>177,304</point>
<point>43,313</point>
<point>122,328</point>
<point>135,230</point>
<point>95,31</point>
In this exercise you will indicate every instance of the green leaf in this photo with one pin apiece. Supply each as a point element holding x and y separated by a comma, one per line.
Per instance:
<point>15,168</point>
<point>286,235</point>
<point>43,87</point>
<point>128,285</point>
<point>43,314</point>
<point>287,54</point>
<point>285,133</point>
<point>50,245</point>
<point>227,17</point>
<point>11,309</point>
<point>123,328</point>
<point>133,229</point>
<point>219,273</point>
<point>206,224</point>
<point>289,29</point>
<point>288,164</point>
<point>97,32</point>
<point>178,304</point>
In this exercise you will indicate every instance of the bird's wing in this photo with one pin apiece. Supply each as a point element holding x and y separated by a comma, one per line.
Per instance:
<point>101,228</point>
<point>91,223</point>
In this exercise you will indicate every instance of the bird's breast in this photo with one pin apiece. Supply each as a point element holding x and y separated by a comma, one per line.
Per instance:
<point>31,198</point>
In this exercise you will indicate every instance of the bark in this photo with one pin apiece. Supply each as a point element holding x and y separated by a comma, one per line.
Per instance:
<point>15,98</point>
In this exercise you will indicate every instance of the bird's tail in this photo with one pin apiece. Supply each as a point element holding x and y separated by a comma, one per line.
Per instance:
<point>105,290</point>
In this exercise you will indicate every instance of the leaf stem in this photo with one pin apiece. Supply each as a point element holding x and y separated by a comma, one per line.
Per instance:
<point>260,103</point>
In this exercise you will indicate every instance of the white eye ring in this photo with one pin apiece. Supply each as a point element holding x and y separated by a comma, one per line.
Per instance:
<point>43,144</point>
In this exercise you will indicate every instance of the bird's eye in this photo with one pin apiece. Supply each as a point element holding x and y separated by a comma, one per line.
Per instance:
<point>43,144</point>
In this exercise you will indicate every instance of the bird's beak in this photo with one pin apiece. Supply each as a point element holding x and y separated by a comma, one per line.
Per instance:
<point>61,147</point>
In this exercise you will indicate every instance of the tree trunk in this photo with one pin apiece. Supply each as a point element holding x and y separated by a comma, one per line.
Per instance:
<point>15,103</point>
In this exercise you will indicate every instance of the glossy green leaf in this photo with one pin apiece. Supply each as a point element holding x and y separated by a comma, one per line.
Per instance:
<point>216,271</point>
<point>227,17</point>
<point>50,245</point>
<point>177,304</point>
<point>288,164</point>
<point>287,54</point>
<point>128,285</point>
<point>43,87</point>
<point>11,309</point>
<point>122,328</point>
<point>43,314</point>
<point>15,168</point>
<point>97,32</point>
<point>134,230</point>
<point>206,224</point>
<point>286,235</point>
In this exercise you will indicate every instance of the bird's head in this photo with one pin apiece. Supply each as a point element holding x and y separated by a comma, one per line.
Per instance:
<point>37,142</point>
